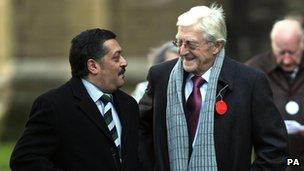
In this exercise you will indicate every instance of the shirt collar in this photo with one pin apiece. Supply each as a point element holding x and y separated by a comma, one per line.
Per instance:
<point>94,92</point>
<point>205,76</point>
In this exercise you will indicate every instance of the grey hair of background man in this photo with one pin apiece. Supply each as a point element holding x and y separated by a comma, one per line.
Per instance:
<point>158,54</point>
<point>290,25</point>
<point>211,20</point>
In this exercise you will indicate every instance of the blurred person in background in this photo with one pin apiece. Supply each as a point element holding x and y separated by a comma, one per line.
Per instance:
<point>284,66</point>
<point>87,123</point>
<point>205,111</point>
<point>165,52</point>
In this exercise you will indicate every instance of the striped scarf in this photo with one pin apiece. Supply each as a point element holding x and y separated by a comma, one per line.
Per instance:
<point>203,156</point>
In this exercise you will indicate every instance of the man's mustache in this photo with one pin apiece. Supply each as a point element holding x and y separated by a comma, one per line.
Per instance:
<point>122,71</point>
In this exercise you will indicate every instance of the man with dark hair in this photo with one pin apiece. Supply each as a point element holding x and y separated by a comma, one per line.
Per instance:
<point>87,123</point>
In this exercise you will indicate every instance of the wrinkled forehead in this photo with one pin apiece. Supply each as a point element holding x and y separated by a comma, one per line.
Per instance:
<point>287,41</point>
<point>189,33</point>
<point>287,35</point>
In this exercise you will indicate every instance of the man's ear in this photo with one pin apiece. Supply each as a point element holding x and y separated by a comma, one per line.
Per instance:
<point>216,48</point>
<point>92,66</point>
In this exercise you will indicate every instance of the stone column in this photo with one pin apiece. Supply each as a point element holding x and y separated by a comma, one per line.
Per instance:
<point>5,54</point>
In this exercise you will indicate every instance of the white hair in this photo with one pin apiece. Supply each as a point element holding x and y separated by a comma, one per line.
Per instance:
<point>290,25</point>
<point>210,20</point>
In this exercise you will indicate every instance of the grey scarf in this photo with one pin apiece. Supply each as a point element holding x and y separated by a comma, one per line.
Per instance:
<point>203,156</point>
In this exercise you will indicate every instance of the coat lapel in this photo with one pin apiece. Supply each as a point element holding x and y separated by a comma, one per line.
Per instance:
<point>225,82</point>
<point>88,107</point>
<point>123,110</point>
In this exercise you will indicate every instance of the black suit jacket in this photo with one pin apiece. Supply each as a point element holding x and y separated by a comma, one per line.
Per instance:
<point>66,131</point>
<point>251,120</point>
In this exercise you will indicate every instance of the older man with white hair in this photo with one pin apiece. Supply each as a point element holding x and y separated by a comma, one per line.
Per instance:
<point>205,111</point>
<point>284,66</point>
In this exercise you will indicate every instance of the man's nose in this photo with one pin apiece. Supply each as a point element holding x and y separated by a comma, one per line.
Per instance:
<point>124,62</point>
<point>287,59</point>
<point>183,50</point>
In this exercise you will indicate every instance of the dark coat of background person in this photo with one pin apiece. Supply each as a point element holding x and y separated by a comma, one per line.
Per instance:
<point>77,137</point>
<point>282,94</point>
<point>248,122</point>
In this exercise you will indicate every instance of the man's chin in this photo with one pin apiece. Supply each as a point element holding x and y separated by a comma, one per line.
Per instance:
<point>188,67</point>
<point>121,83</point>
<point>288,69</point>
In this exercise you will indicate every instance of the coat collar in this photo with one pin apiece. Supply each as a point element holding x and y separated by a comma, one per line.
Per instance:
<point>226,75</point>
<point>87,105</point>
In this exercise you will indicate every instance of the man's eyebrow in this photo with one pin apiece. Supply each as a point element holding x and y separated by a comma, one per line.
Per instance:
<point>117,52</point>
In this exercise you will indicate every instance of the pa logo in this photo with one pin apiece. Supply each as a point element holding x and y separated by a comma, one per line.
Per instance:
<point>293,162</point>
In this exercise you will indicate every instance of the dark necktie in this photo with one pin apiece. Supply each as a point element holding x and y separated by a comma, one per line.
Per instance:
<point>109,119</point>
<point>193,106</point>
